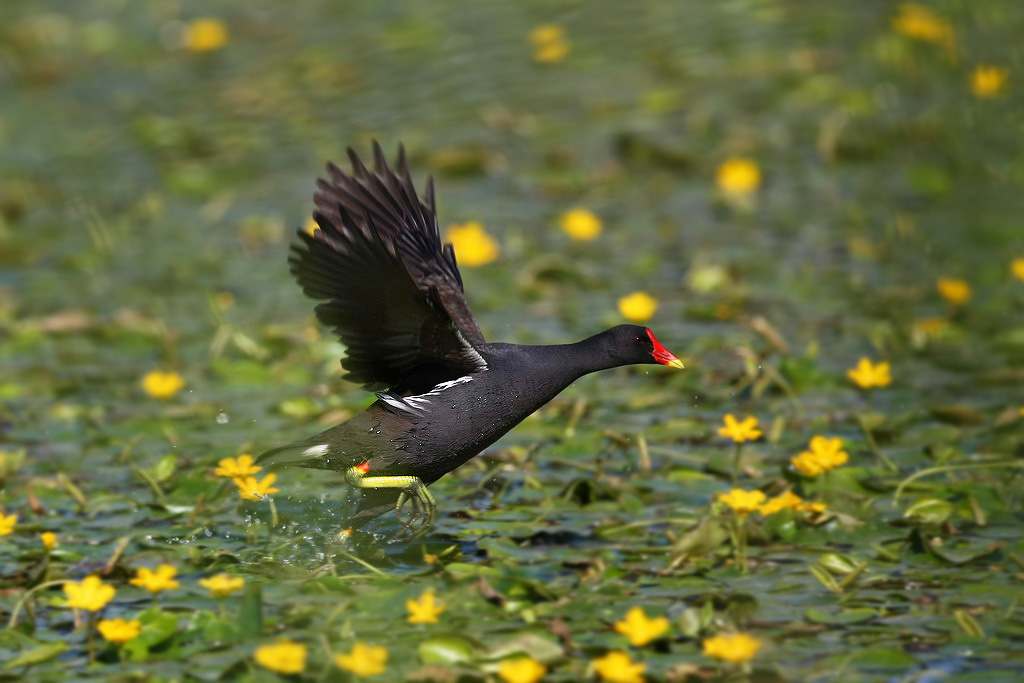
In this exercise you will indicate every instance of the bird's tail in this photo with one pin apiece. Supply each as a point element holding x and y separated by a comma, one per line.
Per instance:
<point>300,454</point>
<point>312,454</point>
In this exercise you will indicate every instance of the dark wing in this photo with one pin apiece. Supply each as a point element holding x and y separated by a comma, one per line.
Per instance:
<point>392,292</point>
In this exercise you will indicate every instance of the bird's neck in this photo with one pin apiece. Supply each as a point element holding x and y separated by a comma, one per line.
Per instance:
<point>565,363</point>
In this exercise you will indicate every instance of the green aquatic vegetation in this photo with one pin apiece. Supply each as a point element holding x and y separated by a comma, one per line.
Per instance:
<point>783,189</point>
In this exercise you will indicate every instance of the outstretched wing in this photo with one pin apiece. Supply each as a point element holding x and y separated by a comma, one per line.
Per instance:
<point>391,291</point>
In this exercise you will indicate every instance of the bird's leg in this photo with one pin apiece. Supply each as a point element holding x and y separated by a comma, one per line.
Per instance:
<point>423,503</point>
<point>413,489</point>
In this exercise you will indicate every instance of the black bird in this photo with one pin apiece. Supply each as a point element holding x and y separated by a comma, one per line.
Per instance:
<point>393,294</point>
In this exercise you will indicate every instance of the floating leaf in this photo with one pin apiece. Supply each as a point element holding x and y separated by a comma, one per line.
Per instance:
<point>840,618</point>
<point>37,655</point>
<point>929,511</point>
<point>450,649</point>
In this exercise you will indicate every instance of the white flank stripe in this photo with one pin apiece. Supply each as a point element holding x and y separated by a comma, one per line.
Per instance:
<point>420,402</point>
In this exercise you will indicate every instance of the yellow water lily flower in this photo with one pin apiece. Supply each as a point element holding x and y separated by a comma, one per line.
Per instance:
<point>206,35</point>
<point>743,502</point>
<point>310,226</point>
<point>7,524</point>
<point>740,431</point>
<point>473,245</point>
<point>735,648</point>
<point>641,630</point>
<point>580,224</point>
<point>785,501</point>
<point>549,43</point>
<point>868,375</point>
<point>251,488</point>
<point>222,585</point>
<point>954,290</point>
<point>162,384</point>
<point>738,176</point>
<point>363,660</point>
<point>1017,268</point>
<point>988,81</point>
<point>237,468</point>
<point>824,455</point>
<point>617,667</point>
<point>48,539</point>
<point>424,610</point>
<point>119,631</point>
<point>638,307</point>
<point>90,594</point>
<point>156,581</point>
<point>285,657</point>
<point>521,670</point>
<point>921,23</point>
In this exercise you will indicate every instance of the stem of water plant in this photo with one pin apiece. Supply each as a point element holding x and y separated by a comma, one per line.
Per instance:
<point>736,464</point>
<point>90,627</point>
<point>738,532</point>
<point>952,468</point>
<point>881,457</point>
<point>13,621</point>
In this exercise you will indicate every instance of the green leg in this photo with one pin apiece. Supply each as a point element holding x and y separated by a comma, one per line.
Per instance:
<point>413,489</point>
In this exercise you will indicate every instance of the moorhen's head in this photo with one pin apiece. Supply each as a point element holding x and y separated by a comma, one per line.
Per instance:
<point>633,344</point>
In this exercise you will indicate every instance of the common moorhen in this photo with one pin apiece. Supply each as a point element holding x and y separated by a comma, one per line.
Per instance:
<point>394,295</point>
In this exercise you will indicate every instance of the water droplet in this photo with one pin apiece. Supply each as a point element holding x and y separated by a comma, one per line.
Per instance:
<point>222,418</point>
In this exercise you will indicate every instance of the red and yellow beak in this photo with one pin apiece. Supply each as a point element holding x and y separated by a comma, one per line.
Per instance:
<point>663,355</point>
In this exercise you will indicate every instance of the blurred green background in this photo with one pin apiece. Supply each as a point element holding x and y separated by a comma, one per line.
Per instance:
<point>155,167</point>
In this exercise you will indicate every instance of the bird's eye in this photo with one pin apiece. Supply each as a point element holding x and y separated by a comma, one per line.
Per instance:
<point>638,340</point>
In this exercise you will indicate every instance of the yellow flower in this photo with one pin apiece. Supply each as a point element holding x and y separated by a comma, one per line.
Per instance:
<point>473,246</point>
<point>48,539</point>
<point>252,489</point>
<point>786,501</point>
<point>824,455</point>
<point>919,22</point>
<point>424,610</point>
<point>119,631</point>
<point>740,431</point>
<point>738,176</point>
<point>953,290</point>
<point>429,558</point>
<point>617,667</point>
<point>162,384</point>
<point>363,660</point>
<point>549,44</point>
<point>7,524</point>
<point>521,670</point>
<point>1017,268</point>
<point>286,657</point>
<point>205,35</point>
<point>222,585</point>
<point>156,581</point>
<point>581,224</point>
<point>988,81</point>
<point>868,375</point>
<point>735,648</point>
<point>237,468</point>
<point>639,629</point>
<point>91,594</point>
<point>743,502</point>
<point>638,306</point>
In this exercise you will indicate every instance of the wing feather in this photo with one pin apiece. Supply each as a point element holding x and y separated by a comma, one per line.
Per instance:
<point>389,289</point>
